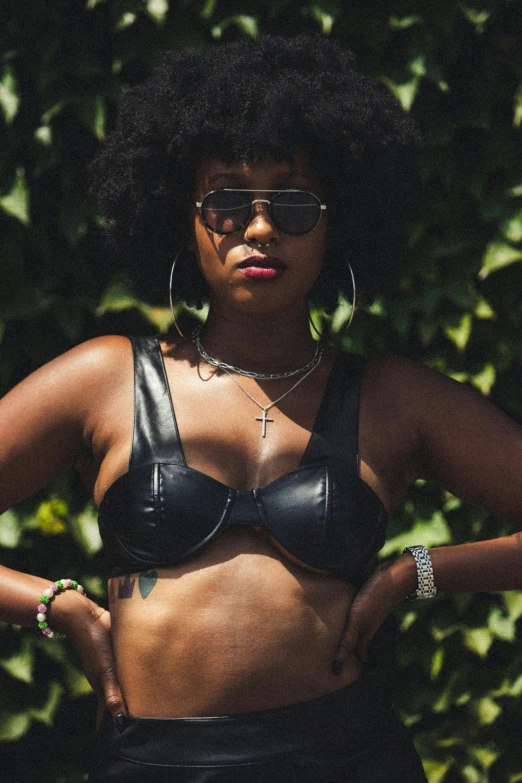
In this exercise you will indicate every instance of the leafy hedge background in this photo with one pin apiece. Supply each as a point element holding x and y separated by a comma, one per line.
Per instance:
<point>457,67</point>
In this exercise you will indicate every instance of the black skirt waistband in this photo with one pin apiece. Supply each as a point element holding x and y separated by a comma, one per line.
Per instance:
<point>350,719</point>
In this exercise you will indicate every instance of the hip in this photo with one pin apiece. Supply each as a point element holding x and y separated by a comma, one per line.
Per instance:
<point>351,735</point>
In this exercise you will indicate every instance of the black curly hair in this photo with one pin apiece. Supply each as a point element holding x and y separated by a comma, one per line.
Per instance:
<point>253,100</point>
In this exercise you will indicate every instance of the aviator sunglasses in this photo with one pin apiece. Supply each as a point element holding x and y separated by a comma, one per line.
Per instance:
<point>228,210</point>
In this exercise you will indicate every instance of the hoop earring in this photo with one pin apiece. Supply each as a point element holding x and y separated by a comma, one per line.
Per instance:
<point>353,299</point>
<point>170,293</point>
<point>310,319</point>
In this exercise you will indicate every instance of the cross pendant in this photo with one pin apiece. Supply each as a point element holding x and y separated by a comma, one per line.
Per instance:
<point>264,419</point>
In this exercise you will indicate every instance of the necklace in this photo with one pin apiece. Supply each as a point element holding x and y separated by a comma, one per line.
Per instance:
<point>258,376</point>
<point>265,408</point>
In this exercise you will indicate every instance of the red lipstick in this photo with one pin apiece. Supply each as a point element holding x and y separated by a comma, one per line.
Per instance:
<point>262,267</point>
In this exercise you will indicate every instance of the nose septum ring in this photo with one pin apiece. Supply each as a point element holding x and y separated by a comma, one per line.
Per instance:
<point>258,243</point>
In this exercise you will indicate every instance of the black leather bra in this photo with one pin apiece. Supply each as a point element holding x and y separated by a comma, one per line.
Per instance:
<point>161,511</point>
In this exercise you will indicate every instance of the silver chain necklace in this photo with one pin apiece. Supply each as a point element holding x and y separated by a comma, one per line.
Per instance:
<point>258,376</point>
<point>265,408</point>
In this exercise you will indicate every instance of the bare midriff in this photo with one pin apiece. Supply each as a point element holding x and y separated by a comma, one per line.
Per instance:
<point>237,628</point>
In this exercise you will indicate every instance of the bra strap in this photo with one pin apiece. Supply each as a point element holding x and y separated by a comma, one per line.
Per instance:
<point>155,435</point>
<point>336,431</point>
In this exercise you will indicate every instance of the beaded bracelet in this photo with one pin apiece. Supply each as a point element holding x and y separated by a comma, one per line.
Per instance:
<point>45,600</point>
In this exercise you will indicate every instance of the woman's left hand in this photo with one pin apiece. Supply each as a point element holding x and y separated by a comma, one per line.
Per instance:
<point>387,587</point>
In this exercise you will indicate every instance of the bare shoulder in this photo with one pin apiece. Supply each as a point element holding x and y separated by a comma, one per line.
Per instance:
<point>56,413</point>
<point>460,438</point>
<point>404,382</point>
<point>100,357</point>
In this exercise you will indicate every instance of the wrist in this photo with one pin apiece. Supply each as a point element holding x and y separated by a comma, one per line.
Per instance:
<point>404,577</point>
<point>425,577</point>
<point>72,611</point>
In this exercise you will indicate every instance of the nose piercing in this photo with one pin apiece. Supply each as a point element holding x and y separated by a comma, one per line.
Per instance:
<point>258,243</point>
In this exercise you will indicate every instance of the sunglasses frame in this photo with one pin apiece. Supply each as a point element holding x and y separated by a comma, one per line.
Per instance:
<point>199,205</point>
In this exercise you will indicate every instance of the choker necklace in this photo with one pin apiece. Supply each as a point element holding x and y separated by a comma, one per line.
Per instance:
<point>265,408</point>
<point>258,376</point>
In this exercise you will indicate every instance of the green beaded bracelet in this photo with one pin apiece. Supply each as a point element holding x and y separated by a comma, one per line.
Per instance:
<point>45,600</point>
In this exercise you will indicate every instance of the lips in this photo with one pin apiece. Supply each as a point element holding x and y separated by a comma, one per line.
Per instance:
<point>262,262</point>
<point>262,268</point>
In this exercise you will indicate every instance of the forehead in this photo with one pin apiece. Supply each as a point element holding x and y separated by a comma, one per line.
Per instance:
<point>214,172</point>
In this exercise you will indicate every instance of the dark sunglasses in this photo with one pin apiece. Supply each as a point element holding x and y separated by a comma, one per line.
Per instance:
<point>293,211</point>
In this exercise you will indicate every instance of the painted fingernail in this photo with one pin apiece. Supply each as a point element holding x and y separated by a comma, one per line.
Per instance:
<point>120,721</point>
<point>337,667</point>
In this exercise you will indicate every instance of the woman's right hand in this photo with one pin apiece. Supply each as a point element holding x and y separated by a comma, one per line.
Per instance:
<point>88,628</point>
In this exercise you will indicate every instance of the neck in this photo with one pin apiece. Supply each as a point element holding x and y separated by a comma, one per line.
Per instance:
<point>262,343</point>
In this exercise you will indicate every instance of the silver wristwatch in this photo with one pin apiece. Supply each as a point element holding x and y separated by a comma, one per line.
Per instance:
<point>426,585</point>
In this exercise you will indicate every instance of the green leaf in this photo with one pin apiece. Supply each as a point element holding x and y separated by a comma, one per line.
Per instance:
<point>487,711</point>
<point>245,24</point>
<point>436,770</point>
<point>417,66</point>
<point>497,256</point>
<point>44,135</point>
<point>512,229</point>
<point>486,755</point>
<point>46,713</point>
<point>16,202</point>
<point>478,640</point>
<point>115,299</point>
<point>483,310</point>
<point>10,530</point>
<point>403,22</point>
<point>91,111</point>
<point>158,10</point>
<point>460,334</point>
<point>476,17</point>
<point>432,532</point>
<point>501,626</point>
<point>405,92</point>
<point>437,661</point>
<point>13,726</point>
<point>324,19</point>
<point>52,516</point>
<point>208,9</point>
<point>341,316</point>
<point>485,379</point>
<point>513,602</point>
<point>77,682</point>
<point>512,689</point>
<point>84,529</point>
<point>9,99</point>
<point>20,665</point>
<point>126,20</point>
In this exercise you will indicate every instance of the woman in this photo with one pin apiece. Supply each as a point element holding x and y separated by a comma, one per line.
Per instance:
<point>244,473</point>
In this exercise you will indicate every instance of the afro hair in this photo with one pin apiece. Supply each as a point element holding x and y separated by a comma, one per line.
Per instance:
<point>254,100</point>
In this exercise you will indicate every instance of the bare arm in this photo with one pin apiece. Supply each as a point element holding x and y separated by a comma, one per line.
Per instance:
<point>475,451</point>
<point>46,423</point>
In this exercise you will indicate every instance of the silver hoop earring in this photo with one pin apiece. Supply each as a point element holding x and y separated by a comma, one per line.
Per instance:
<point>310,319</point>
<point>170,293</point>
<point>353,299</point>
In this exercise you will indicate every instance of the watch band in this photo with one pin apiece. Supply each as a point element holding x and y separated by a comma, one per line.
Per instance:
<point>425,582</point>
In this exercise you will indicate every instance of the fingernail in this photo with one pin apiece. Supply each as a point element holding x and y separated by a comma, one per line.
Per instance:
<point>337,667</point>
<point>120,721</point>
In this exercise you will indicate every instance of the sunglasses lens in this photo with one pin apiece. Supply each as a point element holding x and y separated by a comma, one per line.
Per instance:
<point>225,212</point>
<point>296,213</point>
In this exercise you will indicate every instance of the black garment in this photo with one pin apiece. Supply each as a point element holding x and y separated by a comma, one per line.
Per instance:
<point>162,511</point>
<point>349,736</point>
